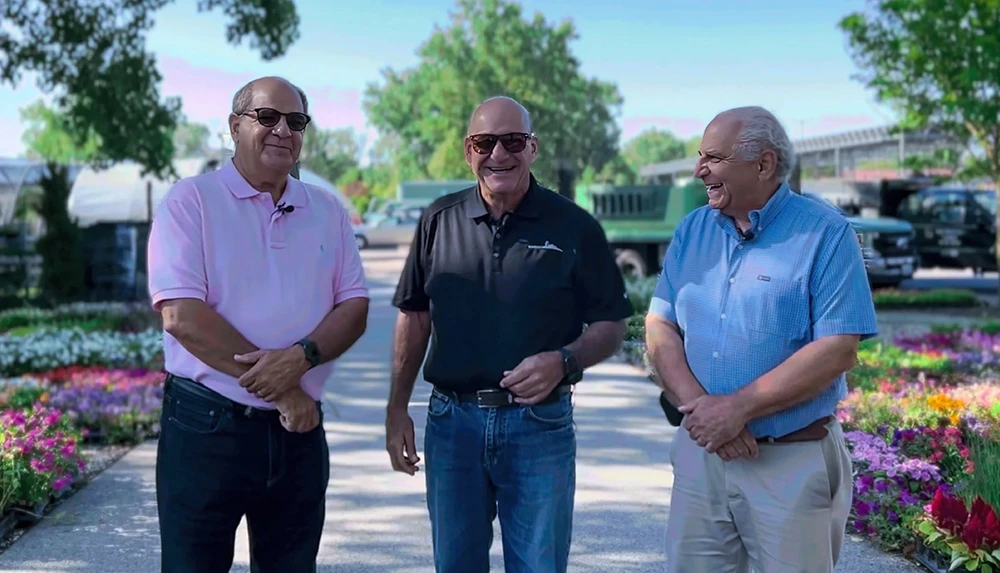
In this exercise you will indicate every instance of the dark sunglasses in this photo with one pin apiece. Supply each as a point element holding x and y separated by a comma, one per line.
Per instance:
<point>484,143</point>
<point>268,117</point>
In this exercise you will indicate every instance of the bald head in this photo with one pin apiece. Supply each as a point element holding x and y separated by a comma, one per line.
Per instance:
<point>243,99</point>
<point>500,110</point>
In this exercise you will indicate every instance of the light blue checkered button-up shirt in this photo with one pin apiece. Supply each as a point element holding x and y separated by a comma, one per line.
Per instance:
<point>745,306</point>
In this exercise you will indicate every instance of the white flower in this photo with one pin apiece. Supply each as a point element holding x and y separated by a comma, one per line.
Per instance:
<point>56,348</point>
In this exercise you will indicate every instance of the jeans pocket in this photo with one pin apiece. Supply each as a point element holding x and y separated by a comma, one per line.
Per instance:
<point>192,415</point>
<point>438,405</point>
<point>554,413</point>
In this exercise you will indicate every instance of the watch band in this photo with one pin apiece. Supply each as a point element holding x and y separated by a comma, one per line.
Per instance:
<point>311,351</point>
<point>571,368</point>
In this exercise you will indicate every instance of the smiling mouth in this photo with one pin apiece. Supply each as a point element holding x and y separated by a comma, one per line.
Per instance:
<point>500,169</point>
<point>714,186</point>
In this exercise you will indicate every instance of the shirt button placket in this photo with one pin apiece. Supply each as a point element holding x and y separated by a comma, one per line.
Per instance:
<point>496,252</point>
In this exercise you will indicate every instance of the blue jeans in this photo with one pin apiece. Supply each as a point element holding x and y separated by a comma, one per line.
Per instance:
<point>516,462</point>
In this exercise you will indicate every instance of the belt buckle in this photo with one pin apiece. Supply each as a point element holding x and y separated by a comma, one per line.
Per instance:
<point>481,393</point>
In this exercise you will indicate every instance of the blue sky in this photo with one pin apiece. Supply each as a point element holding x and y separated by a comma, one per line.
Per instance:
<point>677,63</point>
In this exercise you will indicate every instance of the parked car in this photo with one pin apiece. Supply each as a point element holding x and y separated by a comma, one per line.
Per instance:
<point>391,229</point>
<point>889,246</point>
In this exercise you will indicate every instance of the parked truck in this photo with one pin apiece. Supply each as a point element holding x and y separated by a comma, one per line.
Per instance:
<point>640,220</point>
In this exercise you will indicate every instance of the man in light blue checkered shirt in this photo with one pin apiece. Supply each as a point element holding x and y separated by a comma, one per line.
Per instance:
<point>755,319</point>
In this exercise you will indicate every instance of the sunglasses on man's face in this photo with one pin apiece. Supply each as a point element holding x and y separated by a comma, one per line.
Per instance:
<point>268,117</point>
<point>484,143</point>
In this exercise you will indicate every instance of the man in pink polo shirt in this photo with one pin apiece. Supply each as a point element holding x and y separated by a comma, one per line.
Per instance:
<point>260,286</point>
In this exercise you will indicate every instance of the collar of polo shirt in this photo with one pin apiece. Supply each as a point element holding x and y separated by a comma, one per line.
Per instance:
<point>759,218</point>
<point>528,207</point>
<point>294,194</point>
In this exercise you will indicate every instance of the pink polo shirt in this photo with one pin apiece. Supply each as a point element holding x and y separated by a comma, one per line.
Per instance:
<point>272,275</point>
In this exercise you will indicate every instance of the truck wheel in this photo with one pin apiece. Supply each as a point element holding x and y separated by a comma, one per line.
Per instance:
<point>631,264</point>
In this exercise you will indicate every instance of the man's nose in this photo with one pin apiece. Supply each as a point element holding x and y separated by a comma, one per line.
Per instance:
<point>281,128</point>
<point>499,152</point>
<point>700,168</point>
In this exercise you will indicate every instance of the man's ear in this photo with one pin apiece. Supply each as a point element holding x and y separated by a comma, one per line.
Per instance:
<point>234,127</point>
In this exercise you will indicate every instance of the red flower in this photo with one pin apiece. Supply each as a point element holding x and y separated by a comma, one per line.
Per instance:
<point>988,524</point>
<point>949,512</point>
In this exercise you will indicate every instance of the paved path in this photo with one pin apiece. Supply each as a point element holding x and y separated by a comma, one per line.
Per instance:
<point>377,520</point>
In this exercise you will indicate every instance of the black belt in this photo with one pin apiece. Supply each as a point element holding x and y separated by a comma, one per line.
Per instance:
<point>177,386</point>
<point>499,397</point>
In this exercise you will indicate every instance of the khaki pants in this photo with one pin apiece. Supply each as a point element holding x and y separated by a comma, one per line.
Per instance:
<point>783,512</point>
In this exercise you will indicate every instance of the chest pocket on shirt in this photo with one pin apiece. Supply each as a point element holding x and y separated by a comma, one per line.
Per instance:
<point>539,272</point>
<point>777,302</point>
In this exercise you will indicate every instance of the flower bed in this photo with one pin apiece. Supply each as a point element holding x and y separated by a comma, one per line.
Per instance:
<point>74,375</point>
<point>922,421</point>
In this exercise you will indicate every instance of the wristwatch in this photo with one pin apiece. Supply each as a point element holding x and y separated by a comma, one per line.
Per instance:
<point>570,366</point>
<point>311,350</point>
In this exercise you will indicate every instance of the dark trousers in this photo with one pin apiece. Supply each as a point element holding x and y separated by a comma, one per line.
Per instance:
<point>217,462</point>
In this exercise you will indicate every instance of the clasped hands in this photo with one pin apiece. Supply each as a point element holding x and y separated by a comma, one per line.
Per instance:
<point>275,376</point>
<point>719,424</point>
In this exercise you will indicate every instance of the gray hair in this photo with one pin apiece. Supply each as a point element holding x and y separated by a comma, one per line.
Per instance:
<point>243,97</point>
<point>761,131</point>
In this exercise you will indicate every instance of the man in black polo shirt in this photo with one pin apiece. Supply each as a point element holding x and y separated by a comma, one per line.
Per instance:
<point>505,274</point>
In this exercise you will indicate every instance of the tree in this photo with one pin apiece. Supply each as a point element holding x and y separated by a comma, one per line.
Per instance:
<point>191,139</point>
<point>489,50</point>
<point>330,153</point>
<point>938,63</point>
<point>48,137</point>
<point>91,55</point>
<point>63,268</point>
<point>652,146</point>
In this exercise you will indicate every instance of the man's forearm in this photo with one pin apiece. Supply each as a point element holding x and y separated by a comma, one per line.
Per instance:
<point>410,337</point>
<point>597,343</point>
<point>666,352</point>
<point>340,328</point>
<point>206,334</point>
<point>801,377</point>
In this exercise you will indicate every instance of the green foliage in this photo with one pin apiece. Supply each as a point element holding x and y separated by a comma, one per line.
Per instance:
<point>331,153</point>
<point>653,146</point>
<point>938,63</point>
<point>984,451</point>
<point>640,292</point>
<point>91,55</point>
<point>63,267</point>
<point>936,298</point>
<point>191,139</point>
<point>490,49</point>
<point>47,137</point>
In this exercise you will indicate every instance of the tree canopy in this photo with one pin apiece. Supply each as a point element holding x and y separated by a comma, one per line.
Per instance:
<point>91,55</point>
<point>332,153</point>
<point>491,49</point>
<point>938,63</point>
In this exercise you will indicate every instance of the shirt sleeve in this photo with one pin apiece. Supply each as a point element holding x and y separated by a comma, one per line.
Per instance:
<point>410,294</point>
<point>350,281</point>
<point>841,296</point>
<point>664,297</point>
<point>599,282</point>
<point>175,251</point>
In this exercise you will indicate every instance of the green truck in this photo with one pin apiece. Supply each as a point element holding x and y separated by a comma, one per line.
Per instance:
<point>639,221</point>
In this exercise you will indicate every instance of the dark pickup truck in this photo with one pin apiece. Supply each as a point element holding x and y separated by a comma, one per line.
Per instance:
<point>955,225</point>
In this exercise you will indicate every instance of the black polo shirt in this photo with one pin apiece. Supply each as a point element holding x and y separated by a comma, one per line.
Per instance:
<point>500,292</point>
